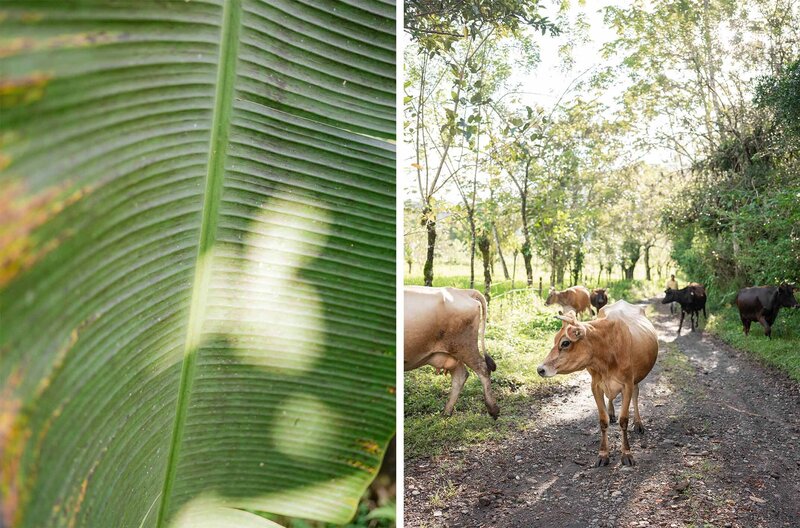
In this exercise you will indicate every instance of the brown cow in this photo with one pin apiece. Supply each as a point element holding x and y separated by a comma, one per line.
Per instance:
<point>619,349</point>
<point>442,326</point>
<point>575,298</point>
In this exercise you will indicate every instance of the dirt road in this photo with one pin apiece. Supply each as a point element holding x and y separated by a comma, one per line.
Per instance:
<point>722,448</point>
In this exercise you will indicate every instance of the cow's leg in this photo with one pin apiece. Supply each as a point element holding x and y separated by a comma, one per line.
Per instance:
<point>746,326</point>
<point>627,393</point>
<point>680,324</point>
<point>612,418</point>
<point>477,363</point>
<point>602,455</point>
<point>694,319</point>
<point>637,418</point>
<point>765,324</point>
<point>459,378</point>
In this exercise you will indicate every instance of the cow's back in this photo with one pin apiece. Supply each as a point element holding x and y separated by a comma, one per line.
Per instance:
<point>576,297</point>
<point>756,300</point>
<point>432,315</point>
<point>644,340</point>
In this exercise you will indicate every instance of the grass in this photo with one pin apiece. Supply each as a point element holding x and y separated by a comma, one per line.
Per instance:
<point>518,337</point>
<point>782,351</point>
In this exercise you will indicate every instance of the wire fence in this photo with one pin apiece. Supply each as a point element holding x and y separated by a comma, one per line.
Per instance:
<point>515,299</point>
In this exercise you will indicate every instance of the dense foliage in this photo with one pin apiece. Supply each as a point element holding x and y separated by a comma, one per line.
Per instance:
<point>742,226</point>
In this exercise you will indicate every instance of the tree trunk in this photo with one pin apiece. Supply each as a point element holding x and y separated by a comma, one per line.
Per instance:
<point>430,225</point>
<point>527,255</point>
<point>471,218</point>
<point>647,262</point>
<point>483,245</point>
<point>577,266</point>
<point>627,271</point>
<point>500,251</point>
<point>514,269</point>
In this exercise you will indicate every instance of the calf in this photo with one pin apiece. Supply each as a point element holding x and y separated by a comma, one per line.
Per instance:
<point>619,349</point>
<point>598,298</point>
<point>692,299</point>
<point>442,326</point>
<point>762,303</point>
<point>575,298</point>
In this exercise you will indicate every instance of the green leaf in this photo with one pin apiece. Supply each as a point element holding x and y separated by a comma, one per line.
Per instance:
<point>387,512</point>
<point>196,260</point>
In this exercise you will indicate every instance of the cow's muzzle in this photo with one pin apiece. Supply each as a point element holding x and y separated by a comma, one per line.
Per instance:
<point>546,371</point>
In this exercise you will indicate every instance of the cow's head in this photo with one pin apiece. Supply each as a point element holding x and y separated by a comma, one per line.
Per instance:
<point>600,295</point>
<point>552,296</point>
<point>669,296</point>
<point>786,296</point>
<point>569,353</point>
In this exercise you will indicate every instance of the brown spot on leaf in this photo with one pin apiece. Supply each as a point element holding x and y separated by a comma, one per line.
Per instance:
<point>362,466</point>
<point>370,446</point>
<point>15,46</point>
<point>11,483</point>
<point>23,90</point>
<point>30,17</point>
<point>11,442</point>
<point>20,216</point>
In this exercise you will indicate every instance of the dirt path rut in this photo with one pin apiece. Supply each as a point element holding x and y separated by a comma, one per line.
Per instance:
<point>722,449</point>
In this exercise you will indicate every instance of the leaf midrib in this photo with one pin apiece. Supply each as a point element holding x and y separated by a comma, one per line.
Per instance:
<point>218,145</point>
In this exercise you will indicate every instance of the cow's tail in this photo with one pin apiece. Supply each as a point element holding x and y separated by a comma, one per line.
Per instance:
<point>478,296</point>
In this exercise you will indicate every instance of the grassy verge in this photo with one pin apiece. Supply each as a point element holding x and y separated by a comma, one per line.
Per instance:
<point>782,351</point>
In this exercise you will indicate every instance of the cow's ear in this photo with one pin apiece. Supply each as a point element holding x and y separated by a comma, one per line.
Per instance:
<point>574,332</point>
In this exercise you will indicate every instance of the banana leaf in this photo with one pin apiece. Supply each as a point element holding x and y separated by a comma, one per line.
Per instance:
<point>197,260</point>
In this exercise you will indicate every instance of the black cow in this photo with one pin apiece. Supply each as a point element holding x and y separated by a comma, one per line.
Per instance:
<point>762,303</point>
<point>692,299</point>
<point>598,298</point>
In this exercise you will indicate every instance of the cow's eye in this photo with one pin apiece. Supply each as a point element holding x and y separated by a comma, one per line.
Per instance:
<point>565,343</point>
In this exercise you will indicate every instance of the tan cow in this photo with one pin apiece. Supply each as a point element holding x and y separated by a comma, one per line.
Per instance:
<point>575,298</point>
<point>442,326</point>
<point>619,349</point>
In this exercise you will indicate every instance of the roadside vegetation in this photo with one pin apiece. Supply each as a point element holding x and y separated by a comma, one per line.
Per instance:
<point>782,351</point>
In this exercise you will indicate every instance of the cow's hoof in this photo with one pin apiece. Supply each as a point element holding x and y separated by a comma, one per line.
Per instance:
<point>612,419</point>
<point>638,428</point>
<point>627,460</point>
<point>601,461</point>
